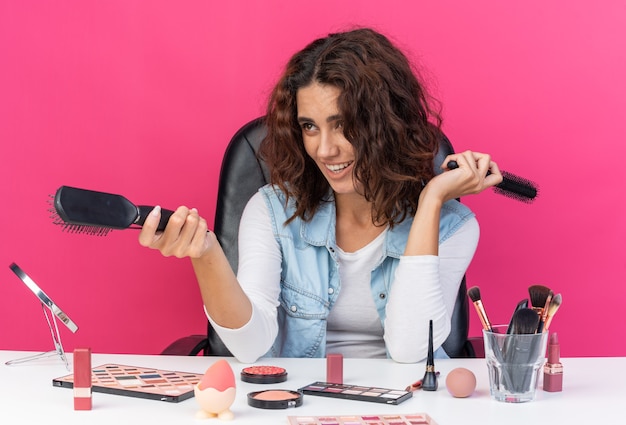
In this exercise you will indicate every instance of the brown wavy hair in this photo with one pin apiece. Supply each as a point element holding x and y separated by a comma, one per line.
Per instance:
<point>386,116</point>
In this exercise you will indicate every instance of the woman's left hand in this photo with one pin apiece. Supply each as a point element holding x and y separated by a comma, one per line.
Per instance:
<point>475,173</point>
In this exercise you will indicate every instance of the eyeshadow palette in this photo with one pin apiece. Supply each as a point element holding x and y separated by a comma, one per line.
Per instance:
<point>357,392</point>
<point>386,419</point>
<point>154,384</point>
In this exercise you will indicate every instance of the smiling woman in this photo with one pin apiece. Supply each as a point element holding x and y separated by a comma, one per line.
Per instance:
<point>330,252</point>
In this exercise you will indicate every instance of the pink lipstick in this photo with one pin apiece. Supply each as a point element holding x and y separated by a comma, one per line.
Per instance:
<point>82,379</point>
<point>553,369</point>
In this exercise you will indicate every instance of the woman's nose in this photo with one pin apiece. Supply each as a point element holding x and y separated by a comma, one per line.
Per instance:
<point>329,145</point>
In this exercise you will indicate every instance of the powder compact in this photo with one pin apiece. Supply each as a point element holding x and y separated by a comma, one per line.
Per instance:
<point>275,399</point>
<point>263,374</point>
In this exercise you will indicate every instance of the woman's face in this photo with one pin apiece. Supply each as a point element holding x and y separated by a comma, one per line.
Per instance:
<point>322,133</point>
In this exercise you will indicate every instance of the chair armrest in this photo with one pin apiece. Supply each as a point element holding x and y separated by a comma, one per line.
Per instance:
<point>190,345</point>
<point>477,345</point>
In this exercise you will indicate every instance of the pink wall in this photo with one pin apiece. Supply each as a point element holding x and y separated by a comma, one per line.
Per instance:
<point>141,97</point>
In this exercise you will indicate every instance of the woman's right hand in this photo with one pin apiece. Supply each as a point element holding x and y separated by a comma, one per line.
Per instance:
<point>186,234</point>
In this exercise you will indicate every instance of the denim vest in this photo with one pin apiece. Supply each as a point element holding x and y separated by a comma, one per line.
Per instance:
<point>310,280</point>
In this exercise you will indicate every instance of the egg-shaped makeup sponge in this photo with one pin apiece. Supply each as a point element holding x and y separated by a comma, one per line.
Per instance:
<point>219,376</point>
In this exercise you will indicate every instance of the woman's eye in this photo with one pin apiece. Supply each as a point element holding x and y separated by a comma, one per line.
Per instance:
<point>307,126</point>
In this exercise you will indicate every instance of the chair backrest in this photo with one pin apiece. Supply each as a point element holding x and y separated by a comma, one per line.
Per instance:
<point>242,174</point>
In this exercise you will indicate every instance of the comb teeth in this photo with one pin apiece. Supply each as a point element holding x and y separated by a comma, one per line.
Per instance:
<point>77,228</point>
<point>88,230</point>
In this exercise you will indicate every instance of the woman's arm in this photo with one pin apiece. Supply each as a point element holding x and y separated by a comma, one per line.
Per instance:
<point>186,235</point>
<point>259,275</point>
<point>425,287</point>
<point>425,292</point>
<point>244,315</point>
<point>469,178</point>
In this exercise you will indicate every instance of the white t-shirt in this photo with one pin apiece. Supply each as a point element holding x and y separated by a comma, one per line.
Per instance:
<point>354,328</point>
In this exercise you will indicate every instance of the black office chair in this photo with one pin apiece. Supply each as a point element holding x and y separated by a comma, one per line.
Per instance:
<point>241,175</point>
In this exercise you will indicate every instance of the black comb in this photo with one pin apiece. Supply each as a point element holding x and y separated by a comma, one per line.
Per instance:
<point>97,213</point>
<point>512,186</point>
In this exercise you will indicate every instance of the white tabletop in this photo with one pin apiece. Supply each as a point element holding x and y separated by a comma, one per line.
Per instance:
<point>593,389</point>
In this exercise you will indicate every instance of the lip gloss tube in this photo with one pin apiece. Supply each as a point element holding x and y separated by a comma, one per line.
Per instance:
<point>82,379</point>
<point>553,369</point>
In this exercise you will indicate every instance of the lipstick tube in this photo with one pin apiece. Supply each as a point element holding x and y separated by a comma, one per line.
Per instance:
<point>553,369</point>
<point>82,379</point>
<point>334,368</point>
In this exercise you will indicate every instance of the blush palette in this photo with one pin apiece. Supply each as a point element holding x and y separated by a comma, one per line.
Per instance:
<point>357,392</point>
<point>154,384</point>
<point>386,419</point>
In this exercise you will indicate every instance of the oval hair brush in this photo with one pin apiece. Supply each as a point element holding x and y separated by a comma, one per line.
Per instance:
<point>512,186</point>
<point>97,213</point>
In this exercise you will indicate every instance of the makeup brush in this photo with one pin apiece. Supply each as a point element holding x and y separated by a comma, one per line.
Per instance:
<point>429,381</point>
<point>538,295</point>
<point>544,312</point>
<point>524,321</point>
<point>512,186</point>
<point>474,294</point>
<point>552,309</point>
<point>522,304</point>
<point>521,351</point>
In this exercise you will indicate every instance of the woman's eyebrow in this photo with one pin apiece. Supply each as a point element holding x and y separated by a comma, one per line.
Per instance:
<point>304,119</point>
<point>331,118</point>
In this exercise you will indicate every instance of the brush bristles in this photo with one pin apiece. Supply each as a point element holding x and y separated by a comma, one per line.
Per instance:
<point>76,228</point>
<point>524,321</point>
<point>544,312</point>
<point>517,187</point>
<point>474,293</point>
<point>512,186</point>
<point>555,303</point>
<point>554,306</point>
<point>538,295</point>
<point>87,230</point>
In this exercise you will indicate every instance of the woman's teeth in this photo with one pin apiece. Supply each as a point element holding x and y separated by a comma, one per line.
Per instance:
<point>335,168</point>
